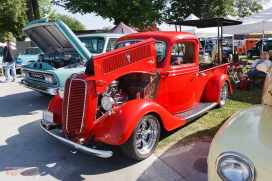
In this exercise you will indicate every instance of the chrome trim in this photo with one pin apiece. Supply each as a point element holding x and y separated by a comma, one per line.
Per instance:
<point>85,149</point>
<point>240,157</point>
<point>68,102</point>
<point>41,72</point>
<point>39,88</point>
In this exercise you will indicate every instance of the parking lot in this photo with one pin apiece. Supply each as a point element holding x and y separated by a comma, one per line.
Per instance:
<point>28,153</point>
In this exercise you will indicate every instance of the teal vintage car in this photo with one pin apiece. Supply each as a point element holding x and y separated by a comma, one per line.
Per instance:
<point>30,55</point>
<point>242,148</point>
<point>65,54</point>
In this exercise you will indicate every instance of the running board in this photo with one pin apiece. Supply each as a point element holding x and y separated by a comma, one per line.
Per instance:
<point>199,109</point>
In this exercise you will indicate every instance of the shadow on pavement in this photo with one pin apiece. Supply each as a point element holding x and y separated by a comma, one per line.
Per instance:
<point>23,103</point>
<point>34,148</point>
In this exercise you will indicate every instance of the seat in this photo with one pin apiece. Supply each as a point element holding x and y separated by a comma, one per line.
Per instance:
<point>235,58</point>
<point>233,70</point>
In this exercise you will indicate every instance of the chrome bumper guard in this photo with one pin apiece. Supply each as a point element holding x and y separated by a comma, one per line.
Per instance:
<point>85,149</point>
<point>40,88</point>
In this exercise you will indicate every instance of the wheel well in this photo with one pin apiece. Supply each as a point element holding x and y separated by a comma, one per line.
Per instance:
<point>159,119</point>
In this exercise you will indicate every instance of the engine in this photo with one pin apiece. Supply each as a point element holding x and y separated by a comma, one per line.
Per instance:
<point>113,96</point>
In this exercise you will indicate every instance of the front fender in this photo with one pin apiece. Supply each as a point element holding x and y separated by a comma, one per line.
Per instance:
<point>55,106</point>
<point>248,132</point>
<point>117,128</point>
<point>214,85</point>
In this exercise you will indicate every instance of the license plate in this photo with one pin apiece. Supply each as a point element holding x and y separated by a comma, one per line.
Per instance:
<point>48,116</point>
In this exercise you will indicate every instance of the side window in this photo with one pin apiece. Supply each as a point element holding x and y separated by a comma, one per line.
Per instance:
<point>182,53</point>
<point>110,45</point>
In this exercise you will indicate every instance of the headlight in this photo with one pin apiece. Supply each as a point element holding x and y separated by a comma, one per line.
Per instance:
<point>61,92</point>
<point>24,74</point>
<point>107,103</point>
<point>49,79</point>
<point>18,60</point>
<point>232,166</point>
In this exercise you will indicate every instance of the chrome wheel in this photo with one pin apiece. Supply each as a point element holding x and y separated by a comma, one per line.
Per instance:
<point>223,95</point>
<point>144,138</point>
<point>147,135</point>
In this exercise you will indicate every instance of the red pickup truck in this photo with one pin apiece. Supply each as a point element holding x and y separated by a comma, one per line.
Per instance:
<point>151,81</point>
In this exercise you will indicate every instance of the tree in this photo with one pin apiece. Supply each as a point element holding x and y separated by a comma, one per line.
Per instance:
<point>245,8</point>
<point>12,18</point>
<point>137,13</point>
<point>32,11</point>
<point>180,9</point>
<point>71,22</point>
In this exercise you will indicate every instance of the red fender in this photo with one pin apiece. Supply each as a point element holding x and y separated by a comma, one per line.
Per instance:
<point>55,106</point>
<point>214,85</point>
<point>117,128</point>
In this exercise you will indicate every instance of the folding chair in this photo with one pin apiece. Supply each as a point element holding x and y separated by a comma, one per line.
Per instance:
<point>233,70</point>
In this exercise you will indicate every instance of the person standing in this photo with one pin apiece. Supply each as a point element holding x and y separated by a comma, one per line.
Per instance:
<point>9,56</point>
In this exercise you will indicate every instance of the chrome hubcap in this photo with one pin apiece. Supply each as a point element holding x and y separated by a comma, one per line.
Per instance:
<point>147,134</point>
<point>223,94</point>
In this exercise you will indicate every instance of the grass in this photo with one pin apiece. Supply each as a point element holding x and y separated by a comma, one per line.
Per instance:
<point>204,128</point>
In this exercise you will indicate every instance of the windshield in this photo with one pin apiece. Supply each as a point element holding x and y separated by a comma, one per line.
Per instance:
<point>160,47</point>
<point>32,51</point>
<point>94,44</point>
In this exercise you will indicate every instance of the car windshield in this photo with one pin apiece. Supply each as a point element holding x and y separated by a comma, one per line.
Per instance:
<point>93,44</point>
<point>160,47</point>
<point>32,51</point>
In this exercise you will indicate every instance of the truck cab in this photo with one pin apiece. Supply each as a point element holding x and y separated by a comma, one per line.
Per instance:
<point>262,45</point>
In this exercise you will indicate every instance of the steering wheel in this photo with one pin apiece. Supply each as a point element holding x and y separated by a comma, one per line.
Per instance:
<point>178,61</point>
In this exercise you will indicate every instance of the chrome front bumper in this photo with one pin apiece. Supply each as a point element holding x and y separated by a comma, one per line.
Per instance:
<point>91,151</point>
<point>40,88</point>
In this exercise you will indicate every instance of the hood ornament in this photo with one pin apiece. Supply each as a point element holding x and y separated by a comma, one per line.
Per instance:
<point>128,56</point>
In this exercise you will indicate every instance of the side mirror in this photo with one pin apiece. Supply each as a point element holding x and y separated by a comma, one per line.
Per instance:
<point>262,67</point>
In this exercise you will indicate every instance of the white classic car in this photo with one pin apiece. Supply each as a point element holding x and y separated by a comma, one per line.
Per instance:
<point>242,148</point>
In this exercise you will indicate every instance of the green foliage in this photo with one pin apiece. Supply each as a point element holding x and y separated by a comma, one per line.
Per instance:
<point>180,9</point>
<point>45,8</point>
<point>71,22</point>
<point>12,17</point>
<point>244,8</point>
<point>137,13</point>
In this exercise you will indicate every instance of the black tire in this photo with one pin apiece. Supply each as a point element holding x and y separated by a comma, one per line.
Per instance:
<point>144,138</point>
<point>223,95</point>
<point>249,55</point>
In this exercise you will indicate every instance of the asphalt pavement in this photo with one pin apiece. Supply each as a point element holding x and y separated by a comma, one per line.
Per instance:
<point>27,153</point>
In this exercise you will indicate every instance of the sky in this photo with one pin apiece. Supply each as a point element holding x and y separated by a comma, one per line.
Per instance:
<point>91,22</point>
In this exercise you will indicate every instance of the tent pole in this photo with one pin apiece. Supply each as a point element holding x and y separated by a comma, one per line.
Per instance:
<point>263,42</point>
<point>263,37</point>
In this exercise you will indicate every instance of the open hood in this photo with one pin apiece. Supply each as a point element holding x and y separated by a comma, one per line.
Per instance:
<point>54,37</point>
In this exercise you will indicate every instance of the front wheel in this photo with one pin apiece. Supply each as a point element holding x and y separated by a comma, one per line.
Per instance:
<point>223,95</point>
<point>144,138</point>
<point>249,55</point>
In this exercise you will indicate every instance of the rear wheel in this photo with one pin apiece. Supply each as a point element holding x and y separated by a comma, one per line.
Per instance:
<point>249,55</point>
<point>223,95</point>
<point>144,138</point>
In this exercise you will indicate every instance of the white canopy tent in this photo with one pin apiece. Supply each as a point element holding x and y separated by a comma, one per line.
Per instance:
<point>258,24</point>
<point>199,32</point>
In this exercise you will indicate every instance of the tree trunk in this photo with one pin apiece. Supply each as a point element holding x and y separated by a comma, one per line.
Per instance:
<point>29,10</point>
<point>35,6</point>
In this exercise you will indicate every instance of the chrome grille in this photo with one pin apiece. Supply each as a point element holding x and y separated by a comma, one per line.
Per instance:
<point>73,106</point>
<point>39,76</point>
